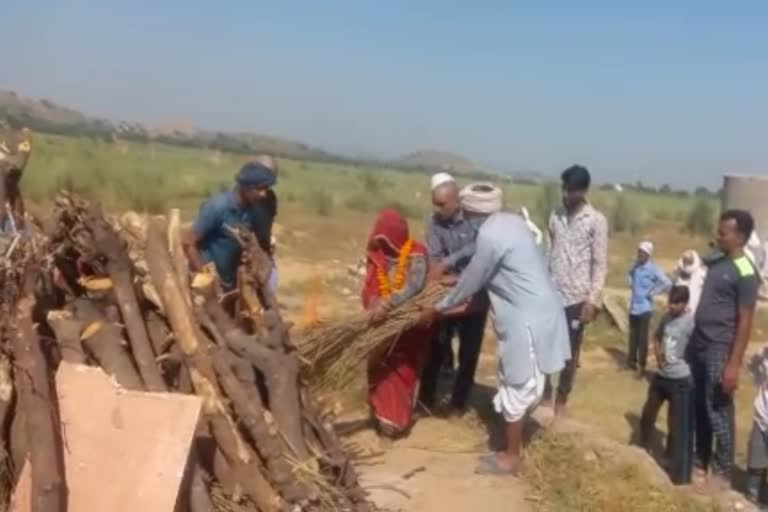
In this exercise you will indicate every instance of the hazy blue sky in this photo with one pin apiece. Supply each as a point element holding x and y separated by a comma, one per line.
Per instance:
<point>664,91</point>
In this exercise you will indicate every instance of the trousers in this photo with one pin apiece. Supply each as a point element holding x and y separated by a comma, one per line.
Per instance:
<point>568,374</point>
<point>470,329</point>
<point>679,394</point>
<point>715,415</point>
<point>638,340</point>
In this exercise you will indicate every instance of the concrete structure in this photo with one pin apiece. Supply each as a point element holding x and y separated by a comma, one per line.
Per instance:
<point>748,193</point>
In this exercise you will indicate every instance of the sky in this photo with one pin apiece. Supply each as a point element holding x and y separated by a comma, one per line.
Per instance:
<point>664,92</point>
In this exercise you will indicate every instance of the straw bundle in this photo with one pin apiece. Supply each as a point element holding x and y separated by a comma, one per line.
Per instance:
<point>333,353</point>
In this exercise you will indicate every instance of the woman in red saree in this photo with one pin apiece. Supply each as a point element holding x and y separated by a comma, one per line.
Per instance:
<point>396,270</point>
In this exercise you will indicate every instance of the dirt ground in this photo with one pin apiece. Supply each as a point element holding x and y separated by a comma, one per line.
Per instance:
<point>433,469</point>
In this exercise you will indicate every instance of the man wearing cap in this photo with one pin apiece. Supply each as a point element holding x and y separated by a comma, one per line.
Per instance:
<point>646,280</point>
<point>268,205</point>
<point>528,315</point>
<point>450,239</point>
<point>209,239</point>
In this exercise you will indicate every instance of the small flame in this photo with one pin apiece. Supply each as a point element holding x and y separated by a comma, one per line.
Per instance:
<point>310,317</point>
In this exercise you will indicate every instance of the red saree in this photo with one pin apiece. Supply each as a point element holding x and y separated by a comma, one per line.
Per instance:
<point>393,377</point>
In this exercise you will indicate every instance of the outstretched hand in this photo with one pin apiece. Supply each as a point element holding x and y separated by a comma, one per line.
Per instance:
<point>380,312</point>
<point>427,316</point>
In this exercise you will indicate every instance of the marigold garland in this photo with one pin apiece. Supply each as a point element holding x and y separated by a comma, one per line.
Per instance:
<point>385,287</point>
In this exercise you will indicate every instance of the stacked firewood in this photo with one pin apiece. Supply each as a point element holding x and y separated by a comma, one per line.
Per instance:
<point>116,293</point>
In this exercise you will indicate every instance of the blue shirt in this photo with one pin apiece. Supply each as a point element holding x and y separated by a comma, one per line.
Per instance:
<point>646,280</point>
<point>527,308</point>
<point>451,242</point>
<point>217,244</point>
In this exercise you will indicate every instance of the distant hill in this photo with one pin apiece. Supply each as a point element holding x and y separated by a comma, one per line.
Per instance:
<point>46,116</point>
<point>434,161</point>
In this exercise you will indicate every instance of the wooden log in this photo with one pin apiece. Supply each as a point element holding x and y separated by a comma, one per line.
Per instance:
<point>104,340</point>
<point>253,418</point>
<point>6,395</point>
<point>188,336</point>
<point>176,250</point>
<point>119,268</point>
<point>17,438</point>
<point>67,330</point>
<point>279,368</point>
<point>36,397</point>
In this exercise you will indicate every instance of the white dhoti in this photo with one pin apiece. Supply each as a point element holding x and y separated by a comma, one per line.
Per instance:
<point>515,401</point>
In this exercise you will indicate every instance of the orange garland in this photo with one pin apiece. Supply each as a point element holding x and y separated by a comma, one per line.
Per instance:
<point>385,288</point>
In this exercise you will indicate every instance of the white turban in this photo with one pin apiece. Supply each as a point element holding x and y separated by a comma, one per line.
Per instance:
<point>689,262</point>
<point>481,198</point>
<point>441,179</point>
<point>647,247</point>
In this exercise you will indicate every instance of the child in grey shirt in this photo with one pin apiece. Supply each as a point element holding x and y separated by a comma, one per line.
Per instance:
<point>673,383</point>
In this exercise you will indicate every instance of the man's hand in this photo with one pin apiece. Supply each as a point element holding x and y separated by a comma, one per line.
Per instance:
<point>437,270</point>
<point>427,316</point>
<point>729,381</point>
<point>587,313</point>
<point>449,280</point>
<point>380,312</point>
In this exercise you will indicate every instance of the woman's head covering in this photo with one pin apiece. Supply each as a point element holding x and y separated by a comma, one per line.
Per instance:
<point>483,198</point>
<point>392,228</point>
<point>689,262</point>
<point>647,247</point>
<point>441,179</point>
<point>256,175</point>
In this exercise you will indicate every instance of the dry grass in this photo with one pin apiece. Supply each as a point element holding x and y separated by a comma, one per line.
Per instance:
<point>566,476</point>
<point>333,353</point>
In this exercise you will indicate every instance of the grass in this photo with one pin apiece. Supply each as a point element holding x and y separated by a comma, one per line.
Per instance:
<point>565,475</point>
<point>151,177</point>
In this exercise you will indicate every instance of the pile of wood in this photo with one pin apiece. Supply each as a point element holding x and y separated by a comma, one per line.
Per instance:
<point>116,293</point>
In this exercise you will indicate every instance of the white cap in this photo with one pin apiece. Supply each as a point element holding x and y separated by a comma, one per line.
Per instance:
<point>647,247</point>
<point>441,178</point>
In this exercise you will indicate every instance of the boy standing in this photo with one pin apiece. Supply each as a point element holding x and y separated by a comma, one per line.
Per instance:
<point>647,281</point>
<point>673,383</point>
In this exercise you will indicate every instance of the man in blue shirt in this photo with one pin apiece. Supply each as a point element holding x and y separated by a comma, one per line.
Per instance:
<point>647,281</point>
<point>210,240</point>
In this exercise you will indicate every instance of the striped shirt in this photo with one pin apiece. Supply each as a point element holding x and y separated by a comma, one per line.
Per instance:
<point>578,255</point>
<point>451,242</point>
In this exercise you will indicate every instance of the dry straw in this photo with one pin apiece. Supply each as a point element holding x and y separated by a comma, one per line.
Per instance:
<point>333,352</point>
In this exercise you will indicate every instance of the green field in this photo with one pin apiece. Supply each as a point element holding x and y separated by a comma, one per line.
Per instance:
<point>151,177</point>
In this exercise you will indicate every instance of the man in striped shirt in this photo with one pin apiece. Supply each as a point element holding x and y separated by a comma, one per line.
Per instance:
<point>578,263</point>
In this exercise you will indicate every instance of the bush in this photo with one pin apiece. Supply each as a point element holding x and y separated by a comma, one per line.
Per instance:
<point>701,218</point>
<point>371,182</point>
<point>624,218</point>
<point>321,202</point>
<point>409,211</point>
<point>550,198</point>
<point>359,203</point>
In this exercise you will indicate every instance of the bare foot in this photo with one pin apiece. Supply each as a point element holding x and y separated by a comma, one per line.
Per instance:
<point>561,411</point>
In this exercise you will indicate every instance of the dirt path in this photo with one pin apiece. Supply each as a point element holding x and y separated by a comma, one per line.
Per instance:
<point>433,469</point>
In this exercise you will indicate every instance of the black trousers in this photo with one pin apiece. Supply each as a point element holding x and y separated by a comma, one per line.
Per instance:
<point>470,329</point>
<point>715,413</point>
<point>679,394</point>
<point>639,326</point>
<point>568,374</point>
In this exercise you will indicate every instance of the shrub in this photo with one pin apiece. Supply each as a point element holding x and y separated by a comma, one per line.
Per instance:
<point>624,218</point>
<point>371,182</point>
<point>550,198</point>
<point>701,218</point>
<point>321,202</point>
<point>359,203</point>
